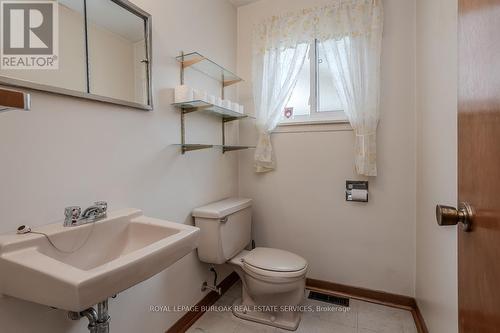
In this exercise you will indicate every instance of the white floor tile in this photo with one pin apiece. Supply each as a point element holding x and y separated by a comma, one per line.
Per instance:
<point>311,324</point>
<point>246,326</point>
<point>225,300</point>
<point>212,322</point>
<point>409,324</point>
<point>381,319</point>
<point>366,330</point>
<point>362,317</point>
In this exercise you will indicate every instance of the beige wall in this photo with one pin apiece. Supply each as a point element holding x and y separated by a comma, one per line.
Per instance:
<point>69,151</point>
<point>301,206</point>
<point>436,281</point>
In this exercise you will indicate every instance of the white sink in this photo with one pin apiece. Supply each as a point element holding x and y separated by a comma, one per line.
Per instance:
<point>121,251</point>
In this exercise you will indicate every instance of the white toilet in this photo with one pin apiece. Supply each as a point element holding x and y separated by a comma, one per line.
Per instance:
<point>273,280</point>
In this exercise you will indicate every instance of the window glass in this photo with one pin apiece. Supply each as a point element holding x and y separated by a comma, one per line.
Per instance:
<point>299,103</point>
<point>314,97</point>
<point>328,97</point>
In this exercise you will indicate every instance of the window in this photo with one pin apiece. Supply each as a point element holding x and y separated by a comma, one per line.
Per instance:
<point>314,98</point>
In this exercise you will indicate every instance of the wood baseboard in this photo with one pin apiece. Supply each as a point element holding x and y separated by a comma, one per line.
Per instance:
<point>186,321</point>
<point>373,296</point>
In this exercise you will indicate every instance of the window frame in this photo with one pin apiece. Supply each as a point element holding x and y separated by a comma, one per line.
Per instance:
<point>315,116</point>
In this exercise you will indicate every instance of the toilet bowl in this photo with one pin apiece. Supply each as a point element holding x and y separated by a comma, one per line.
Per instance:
<point>273,284</point>
<point>273,280</point>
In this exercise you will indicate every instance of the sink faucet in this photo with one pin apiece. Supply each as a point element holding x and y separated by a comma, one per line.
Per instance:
<point>75,217</point>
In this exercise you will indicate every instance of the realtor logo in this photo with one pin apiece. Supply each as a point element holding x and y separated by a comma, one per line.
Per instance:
<point>29,35</point>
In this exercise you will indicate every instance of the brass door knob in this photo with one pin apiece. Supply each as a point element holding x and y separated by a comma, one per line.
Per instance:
<point>447,215</point>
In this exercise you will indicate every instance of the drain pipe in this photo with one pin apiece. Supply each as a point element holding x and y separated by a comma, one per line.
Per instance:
<point>98,320</point>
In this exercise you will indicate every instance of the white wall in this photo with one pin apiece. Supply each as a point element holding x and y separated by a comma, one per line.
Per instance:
<point>68,151</point>
<point>301,207</point>
<point>436,281</point>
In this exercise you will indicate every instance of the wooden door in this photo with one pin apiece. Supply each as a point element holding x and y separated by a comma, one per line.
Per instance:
<point>479,165</point>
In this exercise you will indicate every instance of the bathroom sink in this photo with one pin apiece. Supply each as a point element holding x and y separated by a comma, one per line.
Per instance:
<point>94,261</point>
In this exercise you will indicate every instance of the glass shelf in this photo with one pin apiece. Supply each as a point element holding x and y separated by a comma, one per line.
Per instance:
<point>225,148</point>
<point>198,105</point>
<point>208,67</point>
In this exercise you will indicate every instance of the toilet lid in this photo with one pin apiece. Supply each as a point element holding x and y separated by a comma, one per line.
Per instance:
<point>274,260</point>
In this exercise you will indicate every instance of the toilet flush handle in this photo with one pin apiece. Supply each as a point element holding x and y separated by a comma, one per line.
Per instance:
<point>223,220</point>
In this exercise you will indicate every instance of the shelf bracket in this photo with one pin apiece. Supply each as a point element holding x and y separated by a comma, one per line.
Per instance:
<point>228,119</point>
<point>233,148</point>
<point>186,148</point>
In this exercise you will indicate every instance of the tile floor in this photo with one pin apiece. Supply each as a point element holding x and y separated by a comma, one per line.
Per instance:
<point>361,317</point>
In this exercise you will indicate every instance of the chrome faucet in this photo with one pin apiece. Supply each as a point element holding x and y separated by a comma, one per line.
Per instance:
<point>73,215</point>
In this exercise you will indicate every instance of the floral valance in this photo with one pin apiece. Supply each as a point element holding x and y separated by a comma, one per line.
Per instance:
<point>337,20</point>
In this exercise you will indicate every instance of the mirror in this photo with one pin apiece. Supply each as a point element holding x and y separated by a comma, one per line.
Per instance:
<point>104,53</point>
<point>117,52</point>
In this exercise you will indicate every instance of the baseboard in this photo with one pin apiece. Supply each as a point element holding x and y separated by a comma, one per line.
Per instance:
<point>186,321</point>
<point>373,296</point>
<point>419,319</point>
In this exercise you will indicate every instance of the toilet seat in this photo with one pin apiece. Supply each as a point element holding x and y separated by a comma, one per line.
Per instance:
<point>274,263</point>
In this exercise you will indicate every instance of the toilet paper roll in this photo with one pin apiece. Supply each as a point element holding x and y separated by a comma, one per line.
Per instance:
<point>183,94</point>
<point>359,195</point>
<point>200,95</point>
<point>211,99</point>
<point>226,104</point>
<point>235,107</point>
<point>218,101</point>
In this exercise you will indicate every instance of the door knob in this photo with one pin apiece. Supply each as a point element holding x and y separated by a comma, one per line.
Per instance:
<point>447,215</point>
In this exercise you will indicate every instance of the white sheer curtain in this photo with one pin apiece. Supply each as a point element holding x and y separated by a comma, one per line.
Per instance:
<point>354,61</point>
<point>279,69</point>
<point>350,31</point>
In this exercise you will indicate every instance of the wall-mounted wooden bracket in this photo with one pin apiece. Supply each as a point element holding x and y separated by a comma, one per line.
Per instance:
<point>230,82</point>
<point>187,63</point>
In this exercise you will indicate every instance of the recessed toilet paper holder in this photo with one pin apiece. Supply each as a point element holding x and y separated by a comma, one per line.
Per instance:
<point>360,193</point>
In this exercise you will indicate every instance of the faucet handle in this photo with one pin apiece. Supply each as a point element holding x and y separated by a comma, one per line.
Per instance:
<point>72,213</point>
<point>103,205</point>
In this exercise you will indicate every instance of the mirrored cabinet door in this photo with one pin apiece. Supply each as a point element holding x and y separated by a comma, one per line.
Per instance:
<point>104,53</point>
<point>118,66</point>
<point>71,74</point>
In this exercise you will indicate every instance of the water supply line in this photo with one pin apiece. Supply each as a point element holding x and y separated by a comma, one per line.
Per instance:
<point>214,287</point>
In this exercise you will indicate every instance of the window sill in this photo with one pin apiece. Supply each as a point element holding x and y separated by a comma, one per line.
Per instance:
<point>313,126</point>
<point>313,122</point>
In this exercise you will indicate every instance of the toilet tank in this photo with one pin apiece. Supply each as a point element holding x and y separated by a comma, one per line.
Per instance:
<point>225,229</point>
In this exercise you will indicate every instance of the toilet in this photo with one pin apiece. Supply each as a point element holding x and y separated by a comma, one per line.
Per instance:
<point>273,280</point>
